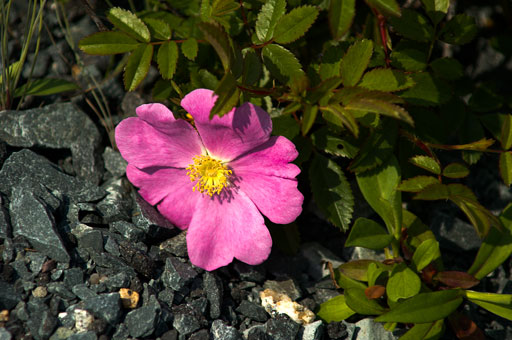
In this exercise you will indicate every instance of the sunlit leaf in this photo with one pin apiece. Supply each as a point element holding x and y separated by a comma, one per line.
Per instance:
<point>106,43</point>
<point>506,132</point>
<point>427,163</point>
<point>368,234</point>
<point>137,66</point>
<point>506,167</point>
<point>381,107</point>
<point>428,91</point>
<point>402,283</point>
<point>417,184</point>
<point>282,64</point>
<point>341,117</point>
<point>386,79</point>
<point>159,29</point>
<point>335,309</point>
<point>295,24</point>
<point>308,118</point>
<point>45,87</point>
<point>455,170</point>
<point>167,59</point>
<point>357,269</point>
<point>386,7</point>
<point>270,13</point>
<point>341,14</point>
<point>356,300</point>
<point>499,304</point>
<point>355,62</point>
<point>128,22</point>
<point>425,253</point>
<point>436,9</point>
<point>425,331</point>
<point>189,48</point>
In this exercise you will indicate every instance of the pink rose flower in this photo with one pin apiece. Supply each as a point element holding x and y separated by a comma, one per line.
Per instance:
<point>214,180</point>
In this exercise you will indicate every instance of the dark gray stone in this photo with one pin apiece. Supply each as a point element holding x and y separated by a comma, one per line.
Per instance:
<point>256,332</point>
<point>118,280</point>
<point>451,231</point>
<point>9,298</point>
<point>91,240</point>
<point>212,285</point>
<point>221,331</point>
<point>167,296</point>
<point>141,322</point>
<point>73,277</point>
<point>5,225</point>
<point>252,311</point>
<point>176,245</point>
<point>128,230</point>
<point>250,273</point>
<point>200,335</point>
<point>170,335</point>
<point>4,334</point>
<point>117,205</point>
<point>37,170</point>
<point>32,220</point>
<point>106,307</point>
<point>112,246</point>
<point>114,162</point>
<point>56,126</point>
<point>83,292</point>
<point>147,218</point>
<point>121,333</point>
<point>41,322</point>
<point>336,330</point>
<point>185,320</point>
<point>90,335</point>
<point>282,328</point>
<point>36,262</point>
<point>60,289</point>
<point>177,274</point>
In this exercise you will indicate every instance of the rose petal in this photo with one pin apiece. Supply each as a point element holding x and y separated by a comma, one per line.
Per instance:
<point>171,187</point>
<point>233,134</point>
<point>271,158</point>
<point>143,145</point>
<point>221,230</point>
<point>155,114</point>
<point>276,197</point>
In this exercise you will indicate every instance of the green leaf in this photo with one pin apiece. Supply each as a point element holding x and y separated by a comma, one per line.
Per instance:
<point>357,301</point>
<point>506,167</point>
<point>417,184</point>
<point>335,309</point>
<point>308,118</point>
<point>409,56</point>
<point>376,149</point>
<point>331,191</point>
<point>282,64</point>
<point>347,95</point>
<point>424,307</point>
<point>436,9</point>
<point>331,61</point>
<point>224,7</point>
<point>295,24</point>
<point>368,234</point>
<point>228,94</point>
<point>357,269</point>
<point>379,188</point>
<point>267,19</point>
<point>506,133</point>
<point>413,25</point>
<point>455,170</point>
<point>129,23</point>
<point>447,68</point>
<point>495,248</point>
<point>485,98</point>
<point>427,163</point>
<point>386,79</point>
<point>286,126</point>
<point>499,304</point>
<point>162,90</point>
<point>45,87</point>
<point>460,30</point>
<point>428,91</point>
<point>106,43</point>
<point>333,144</point>
<point>381,107</point>
<point>425,331</point>
<point>425,253</point>
<point>217,37</point>
<point>189,48</point>
<point>456,279</point>
<point>137,66</point>
<point>167,59</point>
<point>341,117</point>
<point>386,7</point>
<point>252,68</point>
<point>346,282</point>
<point>341,14</point>
<point>159,29</point>
<point>403,283</point>
<point>355,62</point>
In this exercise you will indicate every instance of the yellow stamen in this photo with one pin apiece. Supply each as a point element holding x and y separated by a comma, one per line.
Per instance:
<point>211,175</point>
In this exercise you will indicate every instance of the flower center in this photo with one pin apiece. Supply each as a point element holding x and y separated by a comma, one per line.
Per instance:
<point>211,175</point>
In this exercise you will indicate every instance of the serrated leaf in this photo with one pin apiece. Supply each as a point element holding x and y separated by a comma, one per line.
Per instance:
<point>341,14</point>
<point>45,87</point>
<point>356,300</point>
<point>286,126</point>
<point>162,90</point>
<point>495,248</point>
<point>460,30</point>
<point>455,170</point>
<point>381,107</point>
<point>159,29</point>
<point>369,234</point>
<point>403,283</point>
<point>252,68</point>
<point>335,310</point>
<point>217,37</point>
<point>331,61</point>
<point>506,133</point>
<point>295,24</point>
<point>323,139</point>
<point>137,66</point>
<point>413,25</point>
<point>436,9</point>
<point>386,7</point>
<point>447,68</point>
<point>128,22</point>
<point>427,163</point>
<point>355,62</point>
<point>455,279</point>
<point>341,117</point>
<point>425,253</point>
<point>189,48</point>
<point>425,331</point>
<point>331,191</point>
<point>229,95</point>
<point>417,184</point>
<point>379,188</point>
<point>308,118</point>
<point>224,7</point>
<point>376,149</point>
<point>346,95</point>
<point>409,56</point>
<point>386,79</point>
<point>445,191</point>
<point>424,307</point>
<point>106,43</point>
<point>268,17</point>
<point>167,59</point>
<point>506,167</point>
<point>428,91</point>
<point>323,91</point>
<point>282,64</point>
